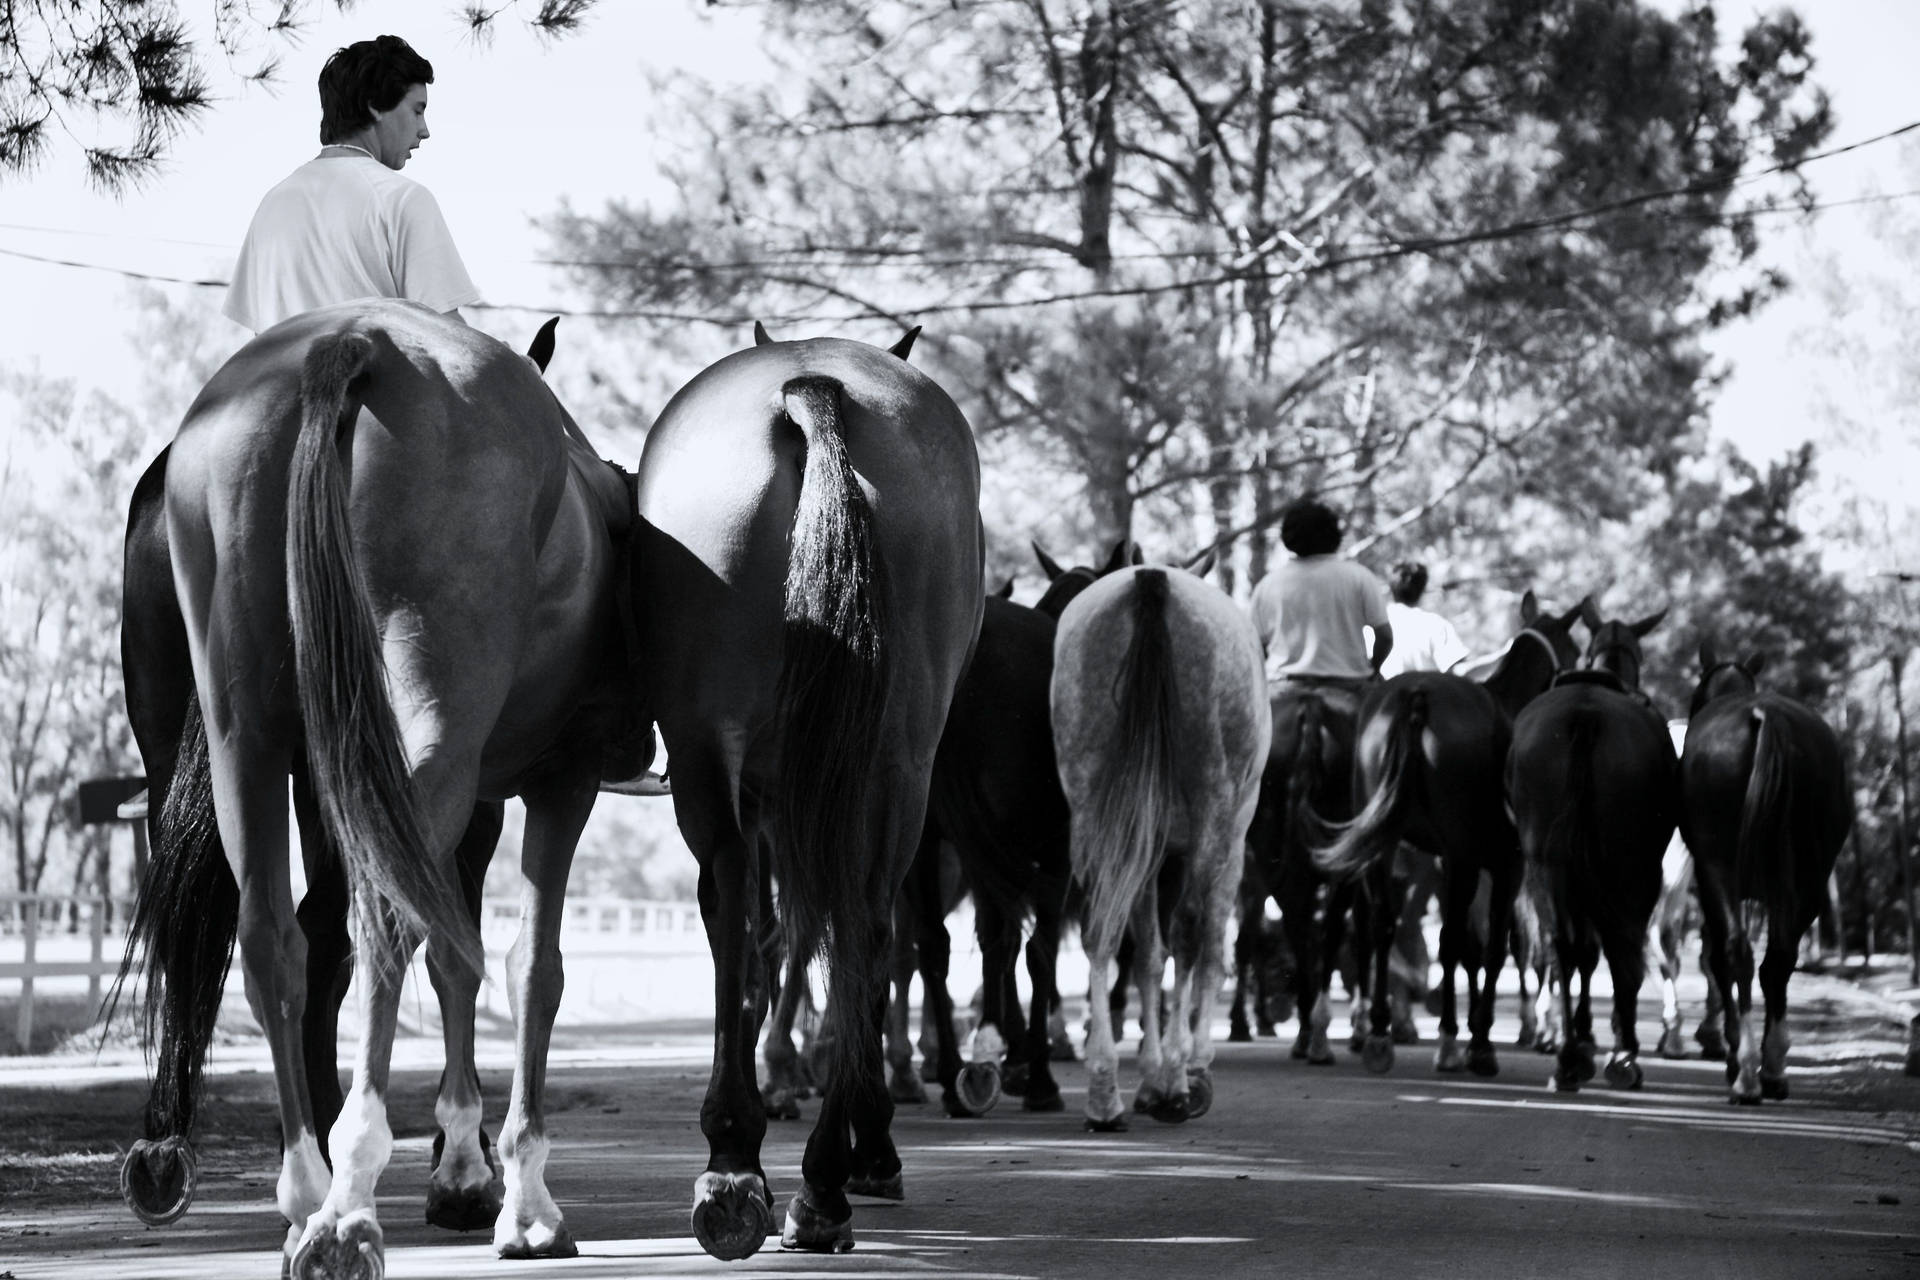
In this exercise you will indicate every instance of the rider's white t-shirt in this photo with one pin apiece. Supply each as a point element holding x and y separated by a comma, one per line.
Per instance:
<point>1311,614</point>
<point>345,227</point>
<point>1422,641</point>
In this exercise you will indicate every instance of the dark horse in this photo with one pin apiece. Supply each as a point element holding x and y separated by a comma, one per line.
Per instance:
<point>1765,807</point>
<point>1595,793</point>
<point>187,966</point>
<point>811,553</point>
<point>1427,770</point>
<point>394,567</point>
<point>996,799</point>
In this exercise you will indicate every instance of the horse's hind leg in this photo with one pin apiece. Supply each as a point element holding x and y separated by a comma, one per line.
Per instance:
<point>1043,949</point>
<point>1626,963</point>
<point>250,788</point>
<point>323,921</point>
<point>935,946</point>
<point>1296,890</point>
<point>1481,1059</point>
<point>903,1079</point>
<point>1457,886</point>
<point>1783,945</point>
<point>1728,957</point>
<point>465,1189</point>
<point>780,1096</point>
<point>1157,1089</point>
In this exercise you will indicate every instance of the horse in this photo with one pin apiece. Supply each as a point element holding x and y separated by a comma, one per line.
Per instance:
<point>186,968</point>
<point>1161,727</point>
<point>1594,788</point>
<point>996,800</point>
<point>810,546</point>
<point>1765,807</point>
<point>1427,768</point>
<point>392,559</point>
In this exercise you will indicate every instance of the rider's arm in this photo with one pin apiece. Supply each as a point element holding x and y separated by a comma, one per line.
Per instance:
<point>1382,644</point>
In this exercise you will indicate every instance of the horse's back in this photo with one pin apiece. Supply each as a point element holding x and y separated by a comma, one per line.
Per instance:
<point>1718,760</point>
<point>1222,723</point>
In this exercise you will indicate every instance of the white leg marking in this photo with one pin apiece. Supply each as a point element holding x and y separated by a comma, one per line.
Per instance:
<point>530,1218</point>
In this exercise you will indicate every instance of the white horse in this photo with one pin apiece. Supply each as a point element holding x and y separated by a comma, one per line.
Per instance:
<point>1161,728</point>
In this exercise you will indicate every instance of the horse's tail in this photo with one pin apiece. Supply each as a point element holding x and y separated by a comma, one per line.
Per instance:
<point>1344,850</point>
<point>1135,790</point>
<point>1763,854</point>
<point>1572,858</point>
<point>354,752</point>
<point>835,671</point>
<point>182,933</point>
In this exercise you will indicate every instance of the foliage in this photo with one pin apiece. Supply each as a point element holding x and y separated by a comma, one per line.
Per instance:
<point>135,68</point>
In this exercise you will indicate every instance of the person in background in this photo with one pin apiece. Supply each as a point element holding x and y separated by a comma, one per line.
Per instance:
<point>1313,611</point>
<point>347,224</point>
<point>1422,640</point>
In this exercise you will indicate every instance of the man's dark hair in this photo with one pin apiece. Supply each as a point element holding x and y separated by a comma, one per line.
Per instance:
<point>367,76</point>
<point>1409,582</point>
<point>1308,527</point>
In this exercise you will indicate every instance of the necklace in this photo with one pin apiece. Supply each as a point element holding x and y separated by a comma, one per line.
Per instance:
<point>351,146</point>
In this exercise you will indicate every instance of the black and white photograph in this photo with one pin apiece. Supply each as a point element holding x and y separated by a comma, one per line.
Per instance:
<point>986,639</point>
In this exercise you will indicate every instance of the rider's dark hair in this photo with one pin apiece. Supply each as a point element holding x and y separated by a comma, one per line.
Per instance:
<point>1409,582</point>
<point>1308,527</point>
<point>367,76</point>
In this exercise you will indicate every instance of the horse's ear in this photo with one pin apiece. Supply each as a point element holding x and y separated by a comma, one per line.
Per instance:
<point>1006,590</point>
<point>1590,614</point>
<point>1755,664</point>
<point>1709,656</point>
<point>1118,560</point>
<point>540,350</point>
<point>905,344</point>
<point>1201,565</point>
<point>1529,608</point>
<point>760,336</point>
<point>1647,624</point>
<point>1139,556</point>
<point>1047,565</point>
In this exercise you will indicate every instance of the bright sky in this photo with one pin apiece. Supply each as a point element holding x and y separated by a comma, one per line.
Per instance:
<point>526,123</point>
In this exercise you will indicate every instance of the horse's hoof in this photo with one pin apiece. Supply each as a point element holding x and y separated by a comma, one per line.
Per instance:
<point>464,1208</point>
<point>1110,1124</point>
<point>781,1103</point>
<point>902,1086</point>
<point>1585,1055</point>
<point>891,1187</point>
<point>1773,1088</point>
<point>1713,1044</point>
<point>1450,1058</point>
<point>1199,1093</point>
<point>1378,1054</point>
<point>1170,1110</point>
<point>1565,1081</point>
<point>732,1214</point>
<point>352,1249</point>
<point>526,1248</point>
<point>1357,1042</point>
<point>1267,1030</point>
<point>1624,1073</point>
<point>157,1179</point>
<point>1015,1078</point>
<point>1045,1099</point>
<point>1740,1098</point>
<point>1546,1045</point>
<point>813,1231</point>
<point>1404,1032</point>
<point>1240,1033</point>
<point>1145,1099</point>
<point>1482,1061</point>
<point>1671,1045</point>
<point>978,1088</point>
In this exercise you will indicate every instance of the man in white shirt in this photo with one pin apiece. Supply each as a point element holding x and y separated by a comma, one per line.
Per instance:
<point>1422,640</point>
<point>1312,612</point>
<point>346,224</point>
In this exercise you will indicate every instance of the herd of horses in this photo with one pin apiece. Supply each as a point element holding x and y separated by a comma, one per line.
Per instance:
<point>379,561</point>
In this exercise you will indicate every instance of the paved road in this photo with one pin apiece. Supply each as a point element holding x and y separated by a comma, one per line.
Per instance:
<point>1298,1171</point>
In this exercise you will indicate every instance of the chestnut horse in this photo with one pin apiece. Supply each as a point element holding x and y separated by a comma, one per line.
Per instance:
<point>393,562</point>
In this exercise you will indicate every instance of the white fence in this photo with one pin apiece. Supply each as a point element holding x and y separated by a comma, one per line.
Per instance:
<point>60,943</point>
